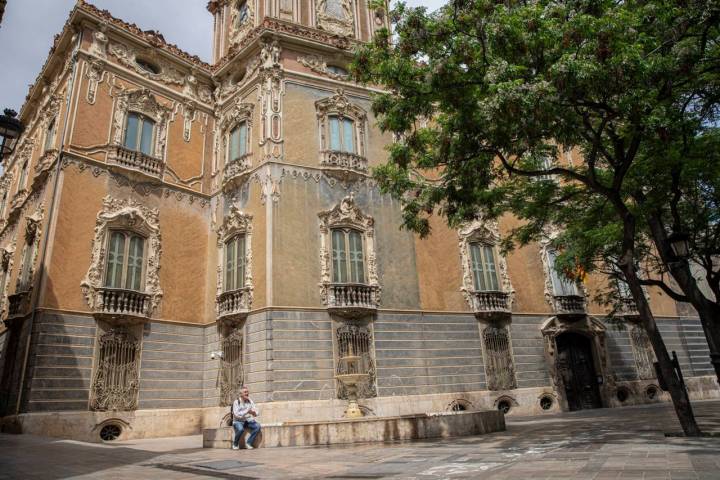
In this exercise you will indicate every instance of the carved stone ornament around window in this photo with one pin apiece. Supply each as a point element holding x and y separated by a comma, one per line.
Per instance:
<point>232,307</point>
<point>131,215</point>
<point>241,22</point>
<point>144,102</point>
<point>355,341</point>
<point>587,326</point>
<point>232,374</point>
<point>115,382</point>
<point>348,164</point>
<point>128,56</point>
<point>33,224</point>
<point>485,304</point>
<point>318,64</point>
<point>561,305</point>
<point>347,214</point>
<point>94,74</point>
<point>240,112</point>
<point>336,16</point>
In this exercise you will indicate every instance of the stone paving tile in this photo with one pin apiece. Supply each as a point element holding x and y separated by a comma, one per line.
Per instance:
<point>603,444</point>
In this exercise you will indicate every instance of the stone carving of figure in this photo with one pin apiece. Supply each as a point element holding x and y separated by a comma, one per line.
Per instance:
<point>339,9</point>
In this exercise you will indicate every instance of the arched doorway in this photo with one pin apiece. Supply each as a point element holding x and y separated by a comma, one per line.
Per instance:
<point>576,369</point>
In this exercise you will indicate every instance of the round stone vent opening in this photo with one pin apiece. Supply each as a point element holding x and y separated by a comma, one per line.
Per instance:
<point>622,394</point>
<point>110,432</point>
<point>504,406</point>
<point>546,402</point>
<point>651,392</point>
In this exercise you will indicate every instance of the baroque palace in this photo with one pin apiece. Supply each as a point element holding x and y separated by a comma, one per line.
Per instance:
<point>172,229</point>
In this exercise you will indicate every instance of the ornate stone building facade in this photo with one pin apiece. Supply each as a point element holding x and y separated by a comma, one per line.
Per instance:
<point>171,230</point>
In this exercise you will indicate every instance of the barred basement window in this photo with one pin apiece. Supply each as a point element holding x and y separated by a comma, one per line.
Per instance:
<point>115,383</point>
<point>644,357</point>
<point>356,341</point>
<point>232,374</point>
<point>498,359</point>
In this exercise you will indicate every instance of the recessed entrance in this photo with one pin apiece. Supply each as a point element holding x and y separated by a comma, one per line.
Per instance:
<point>576,369</point>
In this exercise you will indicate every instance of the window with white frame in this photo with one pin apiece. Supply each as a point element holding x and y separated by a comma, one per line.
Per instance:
<point>348,261</point>
<point>342,134</point>
<point>50,135</point>
<point>125,260</point>
<point>234,263</point>
<point>483,265</point>
<point>139,133</point>
<point>562,286</point>
<point>238,142</point>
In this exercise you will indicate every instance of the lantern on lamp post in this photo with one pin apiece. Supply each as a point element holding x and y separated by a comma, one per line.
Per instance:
<point>680,244</point>
<point>10,130</point>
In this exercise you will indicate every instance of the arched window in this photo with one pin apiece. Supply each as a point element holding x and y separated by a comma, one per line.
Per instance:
<point>125,260</point>
<point>483,265</point>
<point>498,359</point>
<point>348,261</point>
<point>139,133</point>
<point>234,263</point>
<point>50,135</point>
<point>238,142</point>
<point>115,383</point>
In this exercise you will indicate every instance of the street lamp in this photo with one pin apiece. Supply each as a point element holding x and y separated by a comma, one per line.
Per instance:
<point>679,243</point>
<point>10,130</point>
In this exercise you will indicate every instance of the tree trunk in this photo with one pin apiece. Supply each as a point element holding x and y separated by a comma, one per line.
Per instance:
<point>708,311</point>
<point>679,395</point>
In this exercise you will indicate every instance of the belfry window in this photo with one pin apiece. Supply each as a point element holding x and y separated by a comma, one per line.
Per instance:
<point>238,141</point>
<point>139,133</point>
<point>348,261</point>
<point>125,261</point>
<point>562,286</point>
<point>234,263</point>
<point>342,133</point>
<point>482,260</point>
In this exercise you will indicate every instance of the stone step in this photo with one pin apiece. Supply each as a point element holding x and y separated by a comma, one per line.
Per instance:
<point>369,429</point>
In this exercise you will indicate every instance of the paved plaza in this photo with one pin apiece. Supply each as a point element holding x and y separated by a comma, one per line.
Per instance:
<point>626,443</point>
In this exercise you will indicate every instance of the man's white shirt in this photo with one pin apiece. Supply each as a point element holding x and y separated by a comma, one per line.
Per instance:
<point>241,409</point>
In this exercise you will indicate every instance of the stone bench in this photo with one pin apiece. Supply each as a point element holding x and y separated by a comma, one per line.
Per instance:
<point>369,429</point>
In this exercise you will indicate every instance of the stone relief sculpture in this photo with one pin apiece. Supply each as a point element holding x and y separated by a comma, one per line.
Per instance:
<point>242,19</point>
<point>318,64</point>
<point>270,95</point>
<point>131,215</point>
<point>336,16</point>
<point>33,225</point>
<point>94,74</point>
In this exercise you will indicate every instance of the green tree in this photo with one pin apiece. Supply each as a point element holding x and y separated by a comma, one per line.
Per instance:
<point>510,87</point>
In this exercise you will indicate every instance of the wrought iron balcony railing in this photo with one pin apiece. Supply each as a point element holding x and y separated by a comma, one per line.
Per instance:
<point>119,302</point>
<point>490,303</point>
<point>352,299</point>
<point>570,305</point>
<point>234,304</point>
<point>138,161</point>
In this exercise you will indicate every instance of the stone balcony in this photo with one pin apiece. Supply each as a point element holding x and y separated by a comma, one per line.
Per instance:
<point>19,303</point>
<point>137,161</point>
<point>352,300</point>
<point>122,304</point>
<point>233,305</point>
<point>490,304</point>
<point>235,170</point>
<point>344,165</point>
<point>569,305</point>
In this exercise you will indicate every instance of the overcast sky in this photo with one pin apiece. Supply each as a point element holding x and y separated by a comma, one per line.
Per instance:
<point>28,28</point>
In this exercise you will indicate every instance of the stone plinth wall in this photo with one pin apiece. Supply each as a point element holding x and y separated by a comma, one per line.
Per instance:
<point>380,429</point>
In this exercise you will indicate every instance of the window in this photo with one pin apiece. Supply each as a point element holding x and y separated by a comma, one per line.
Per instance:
<point>482,258</point>
<point>243,12</point>
<point>125,261</point>
<point>562,286</point>
<point>23,176</point>
<point>139,133</point>
<point>347,256</point>
<point>26,267</point>
<point>498,359</point>
<point>342,133</point>
<point>238,141</point>
<point>231,367</point>
<point>147,66</point>
<point>235,263</point>
<point>49,135</point>
<point>115,383</point>
<point>3,204</point>
<point>334,69</point>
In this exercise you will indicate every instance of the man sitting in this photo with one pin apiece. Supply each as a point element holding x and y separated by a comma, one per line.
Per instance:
<point>244,413</point>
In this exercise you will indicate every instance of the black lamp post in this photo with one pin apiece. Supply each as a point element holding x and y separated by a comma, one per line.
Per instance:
<point>10,130</point>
